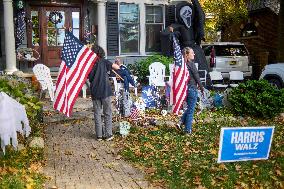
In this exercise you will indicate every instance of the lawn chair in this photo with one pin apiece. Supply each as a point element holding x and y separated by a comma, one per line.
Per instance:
<point>42,74</point>
<point>157,74</point>
<point>235,78</point>
<point>217,80</point>
<point>202,75</point>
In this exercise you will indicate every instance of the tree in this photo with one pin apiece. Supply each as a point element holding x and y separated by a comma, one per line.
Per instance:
<point>221,13</point>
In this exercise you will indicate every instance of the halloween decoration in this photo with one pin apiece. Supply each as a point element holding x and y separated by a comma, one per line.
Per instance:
<point>124,127</point>
<point>189,29</point>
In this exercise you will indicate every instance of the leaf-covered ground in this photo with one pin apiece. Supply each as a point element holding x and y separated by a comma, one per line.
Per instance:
<point>21,169</point>
<point>173,160</point>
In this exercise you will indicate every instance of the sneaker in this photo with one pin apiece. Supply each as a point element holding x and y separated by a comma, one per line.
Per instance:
<point>178,126</point>
<point>186,133</point>
<point>99,138</point>
<point>109,138</point>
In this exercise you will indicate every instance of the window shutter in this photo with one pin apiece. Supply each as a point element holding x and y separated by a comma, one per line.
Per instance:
<point>112,29</point>
<point>170,14</point>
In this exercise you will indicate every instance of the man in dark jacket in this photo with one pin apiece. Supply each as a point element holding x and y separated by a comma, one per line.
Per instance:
<point>101,93</point>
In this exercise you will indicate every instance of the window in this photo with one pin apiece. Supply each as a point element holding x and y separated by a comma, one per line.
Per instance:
<point>76,24</point>
<point>154,25</point>
<point>35,28</point>
<point>55,32</point>
<point>129,28</point>
<point>249,30</point>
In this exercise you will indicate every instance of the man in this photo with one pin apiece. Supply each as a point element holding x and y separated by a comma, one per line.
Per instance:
<point>124,76</point>
<point>101,93</point>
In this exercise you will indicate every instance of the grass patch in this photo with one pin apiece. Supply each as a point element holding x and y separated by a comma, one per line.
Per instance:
<point>22,169</point>
<point>176,161</point>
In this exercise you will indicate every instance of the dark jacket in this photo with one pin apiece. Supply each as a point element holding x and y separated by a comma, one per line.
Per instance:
<point>99,79</point>
<point>124,73</point>
<point>194,75</point>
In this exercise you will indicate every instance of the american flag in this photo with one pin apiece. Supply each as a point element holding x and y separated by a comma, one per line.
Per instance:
<point>180,78</point>
<point>134,112</point>
<point>77,62</point>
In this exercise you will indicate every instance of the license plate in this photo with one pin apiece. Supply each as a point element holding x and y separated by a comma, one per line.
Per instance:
<point>233,62</point>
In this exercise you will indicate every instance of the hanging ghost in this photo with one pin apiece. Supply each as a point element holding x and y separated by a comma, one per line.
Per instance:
<point>189,29</point>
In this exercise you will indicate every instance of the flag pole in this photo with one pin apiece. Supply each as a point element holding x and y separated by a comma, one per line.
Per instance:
<point>116,74</point>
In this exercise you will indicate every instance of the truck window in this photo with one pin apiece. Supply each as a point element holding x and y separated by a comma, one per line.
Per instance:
<point>230,50</point>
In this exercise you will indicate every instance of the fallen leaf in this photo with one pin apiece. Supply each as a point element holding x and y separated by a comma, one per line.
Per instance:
<point>278,172</point>
<point>68,152</point>
<point>150,170</point>
<point>197,180</point>
<point>213,151</point>
<point>223,167</point>
<point>238,167</point>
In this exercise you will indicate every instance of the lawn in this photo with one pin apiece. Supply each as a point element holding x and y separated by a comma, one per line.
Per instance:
<point>173,160</point>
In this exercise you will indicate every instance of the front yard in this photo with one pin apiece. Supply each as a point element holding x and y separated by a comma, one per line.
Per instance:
<point>173,160</point>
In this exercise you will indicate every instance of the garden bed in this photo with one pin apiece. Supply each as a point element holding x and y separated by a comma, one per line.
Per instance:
<point>22,168</point>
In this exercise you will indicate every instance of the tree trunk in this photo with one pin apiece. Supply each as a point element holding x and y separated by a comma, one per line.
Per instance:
<point>281,33</point>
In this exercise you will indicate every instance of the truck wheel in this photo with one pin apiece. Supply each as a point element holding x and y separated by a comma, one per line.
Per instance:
<point>275,82</point>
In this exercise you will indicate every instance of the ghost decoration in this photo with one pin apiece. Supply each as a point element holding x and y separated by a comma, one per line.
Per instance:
<point>189,29</point>
<point>124,128</point>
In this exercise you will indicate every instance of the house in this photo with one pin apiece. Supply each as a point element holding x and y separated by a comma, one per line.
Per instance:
<point>259,33</point>
<point>128,28</point>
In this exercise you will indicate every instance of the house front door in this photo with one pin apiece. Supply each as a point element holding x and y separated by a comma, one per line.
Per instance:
<point>47,30</point>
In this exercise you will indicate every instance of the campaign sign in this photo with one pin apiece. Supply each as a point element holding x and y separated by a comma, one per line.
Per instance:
<point>244,143</point>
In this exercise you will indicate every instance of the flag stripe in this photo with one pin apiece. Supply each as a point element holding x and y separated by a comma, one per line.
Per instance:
<point>62,82</point>
<point>180,78</point>
<point>77,62</point>
<point>81,81</point>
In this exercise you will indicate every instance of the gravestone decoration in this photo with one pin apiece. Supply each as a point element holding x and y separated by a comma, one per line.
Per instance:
<point>189,29</point>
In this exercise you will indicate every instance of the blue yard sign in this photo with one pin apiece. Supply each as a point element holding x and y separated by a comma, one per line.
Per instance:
<point>244,143</point>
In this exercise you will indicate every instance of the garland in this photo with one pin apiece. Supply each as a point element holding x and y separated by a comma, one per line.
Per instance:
<point>55,17</point>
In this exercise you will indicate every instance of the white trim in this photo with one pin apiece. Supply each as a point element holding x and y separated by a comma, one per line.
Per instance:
<point>142,23</point>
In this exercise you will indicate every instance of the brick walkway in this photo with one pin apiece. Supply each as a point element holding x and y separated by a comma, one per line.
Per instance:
<point>76,160</point>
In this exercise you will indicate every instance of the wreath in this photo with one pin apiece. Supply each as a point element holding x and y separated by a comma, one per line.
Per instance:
<point>55,17</point>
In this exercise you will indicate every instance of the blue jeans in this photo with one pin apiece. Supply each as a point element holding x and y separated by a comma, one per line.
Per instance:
<point>187,116</point>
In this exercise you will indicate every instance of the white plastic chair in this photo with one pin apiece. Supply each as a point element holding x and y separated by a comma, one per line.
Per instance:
<point>171,78</point>
<point>42,74</point>
<point>202,75</point>
<point>157,74</point>
<point>118,86</point>
<point>217,80</point>
<point>235,78</point>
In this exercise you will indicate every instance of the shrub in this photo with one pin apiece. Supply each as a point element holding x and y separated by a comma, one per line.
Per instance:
<point>141,68</point>
<point>21,90</point>
<point>257,98</point>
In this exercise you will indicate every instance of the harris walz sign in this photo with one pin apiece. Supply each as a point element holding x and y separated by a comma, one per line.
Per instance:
<point>244,143</point>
